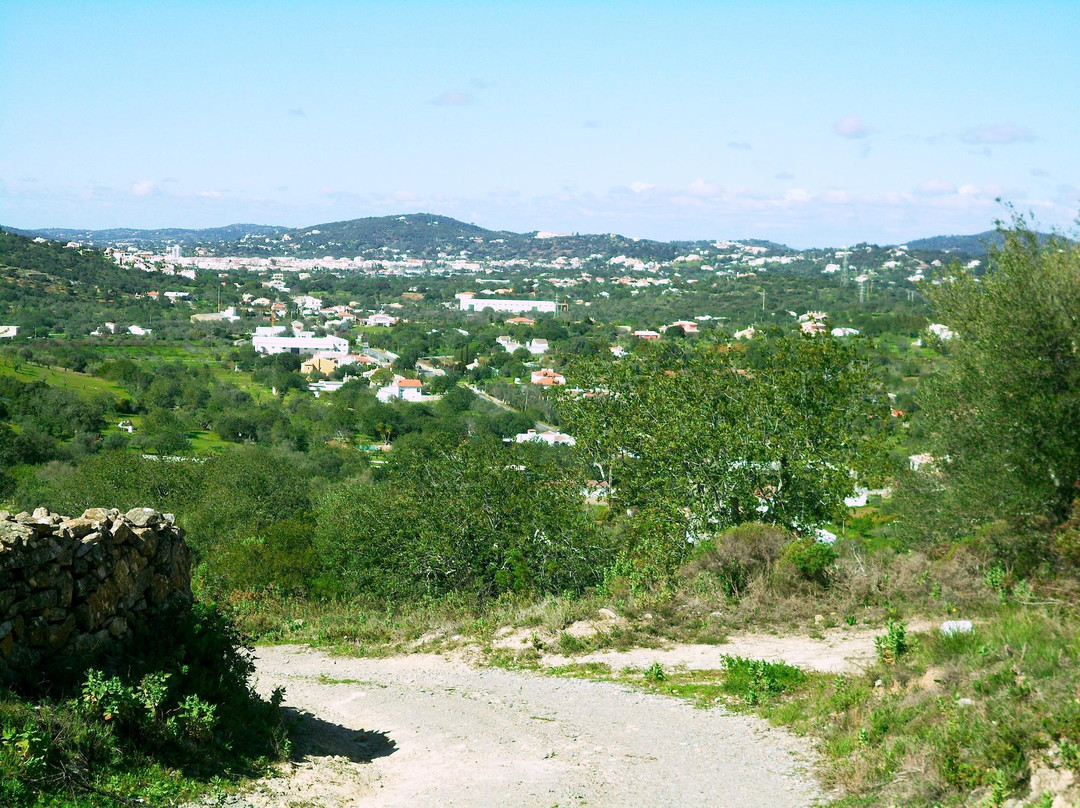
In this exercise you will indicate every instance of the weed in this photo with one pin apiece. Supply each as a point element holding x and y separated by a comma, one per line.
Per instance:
<point>894,643</point>
<point>655,673</point>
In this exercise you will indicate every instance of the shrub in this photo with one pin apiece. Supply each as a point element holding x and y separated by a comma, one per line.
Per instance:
<point>812,559</point>
<point>738,556</point>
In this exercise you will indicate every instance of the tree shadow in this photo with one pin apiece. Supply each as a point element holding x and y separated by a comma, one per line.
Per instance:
<point>313,737</point>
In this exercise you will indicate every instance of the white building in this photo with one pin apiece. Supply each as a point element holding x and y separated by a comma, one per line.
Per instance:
<point>380,319</point>
<point>269,330</point>
<point>537,347</point>
<point>299,345</point>
<point>551,438</point>
<point>138,330</point>
<point>401,388</point>
<point>469,301</point>
<point>9,331</point>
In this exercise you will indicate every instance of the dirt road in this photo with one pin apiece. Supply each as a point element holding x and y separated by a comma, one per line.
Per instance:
<point>422,730</point>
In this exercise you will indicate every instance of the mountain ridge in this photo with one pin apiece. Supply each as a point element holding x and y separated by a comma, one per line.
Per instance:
<point>426,235</point>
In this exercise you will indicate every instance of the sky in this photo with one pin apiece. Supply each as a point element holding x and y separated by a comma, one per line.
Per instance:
<point>809,123</point>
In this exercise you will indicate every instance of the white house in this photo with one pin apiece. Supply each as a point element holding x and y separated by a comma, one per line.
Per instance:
<point>9,331</point>
<point>380,319</point>
<point>469,301</point>
<point>537,347</point>
<point>917,461</point>
<point>299,345</point>
<point>943,332</point>
<point>269,330</point>
<point>308,303</point>
<point>547,377</point>
<point>401,388</point>
<point>845,332</point>
<point>138,330</point>
<point>508,343</point>
<point>551,438</point>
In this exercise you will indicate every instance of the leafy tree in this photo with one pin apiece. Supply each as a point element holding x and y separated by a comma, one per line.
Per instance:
<point>1001,411</point>
<point>477,517</point>
<point>699,439</point>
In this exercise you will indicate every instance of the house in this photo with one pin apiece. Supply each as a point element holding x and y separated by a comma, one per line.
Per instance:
<point>520,321</point>
<point>942,332</point>
<point>845,332</point>
<point>547,377</point>
<point>9,331</point>
<point>648,336</point>
<point>299,345</point>
<point>269,330</point>
<point>139,331</point>
<point>917,461</point>
<point>381,320</point>
<point>537,347</point>
<point>228,315</point>
<point>508,343</point>
<point>308,304</point>
<point>469,301</point>
<point>688,326</point>
<point>320,363</point>
<point>403,389</point>
<point>618,351</point>
<point>747,333</point>
<point>551,438</point>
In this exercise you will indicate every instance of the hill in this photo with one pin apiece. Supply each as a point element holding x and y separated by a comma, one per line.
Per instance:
<point>417,235</point>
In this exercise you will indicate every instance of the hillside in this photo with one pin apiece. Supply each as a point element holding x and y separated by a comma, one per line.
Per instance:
<point>417,235</point>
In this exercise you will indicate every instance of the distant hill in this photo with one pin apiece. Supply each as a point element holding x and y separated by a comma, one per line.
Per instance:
<point>416,235</point>
<point>151,239</point>
<point>969,245</point>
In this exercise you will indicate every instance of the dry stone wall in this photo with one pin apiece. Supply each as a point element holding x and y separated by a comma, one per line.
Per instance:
<point>71,588</point>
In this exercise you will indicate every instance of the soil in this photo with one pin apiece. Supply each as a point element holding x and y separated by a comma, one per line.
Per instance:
<point>427,730</point>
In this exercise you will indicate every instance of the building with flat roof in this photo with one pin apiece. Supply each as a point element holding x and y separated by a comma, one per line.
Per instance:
<point>470,302</point>
<point>299,345</point>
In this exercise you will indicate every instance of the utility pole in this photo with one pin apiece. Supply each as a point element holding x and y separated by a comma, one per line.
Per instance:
<point>763,300</point>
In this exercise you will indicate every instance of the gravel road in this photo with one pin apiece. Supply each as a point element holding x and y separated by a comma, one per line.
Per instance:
<point>422,730</point>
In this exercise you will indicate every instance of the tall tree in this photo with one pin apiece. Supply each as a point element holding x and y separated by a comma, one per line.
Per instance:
<point>1001,412</point>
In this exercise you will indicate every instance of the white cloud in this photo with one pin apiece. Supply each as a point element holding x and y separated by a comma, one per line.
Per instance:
<point>851,127</point>
<point>739,144</point>
<point>702,187</point>
<point>797,195</point>
<point>143,188</point>
<point>639,187</point>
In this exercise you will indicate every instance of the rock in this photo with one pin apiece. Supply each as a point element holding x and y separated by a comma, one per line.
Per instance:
<point>952,627</point>
<point>76,585</point>
<point>607,614</point>
<point>77,528</point>
<point>143,517</point>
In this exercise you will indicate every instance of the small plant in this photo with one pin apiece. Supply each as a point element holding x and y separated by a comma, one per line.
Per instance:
<point>655,673</point>
<point>754,680</point>
<point>894,643</point>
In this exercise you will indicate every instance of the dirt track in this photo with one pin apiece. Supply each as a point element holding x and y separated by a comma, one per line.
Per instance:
<point>422,730</point>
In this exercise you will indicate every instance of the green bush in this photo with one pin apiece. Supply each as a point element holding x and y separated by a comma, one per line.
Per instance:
<point>173,714</point>
<point>813,560</point>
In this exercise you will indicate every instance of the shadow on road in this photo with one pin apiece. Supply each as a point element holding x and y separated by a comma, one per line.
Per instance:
<point>313,737</point>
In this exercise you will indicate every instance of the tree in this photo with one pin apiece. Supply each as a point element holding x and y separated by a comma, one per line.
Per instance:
<point>476,518</point>
<point>1001,411</point>
<point>699,439</point>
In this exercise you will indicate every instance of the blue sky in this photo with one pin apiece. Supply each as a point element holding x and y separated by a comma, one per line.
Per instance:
<point>821,123</point>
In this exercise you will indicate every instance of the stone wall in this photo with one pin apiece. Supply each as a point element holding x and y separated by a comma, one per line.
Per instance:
<point>72,588</point>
